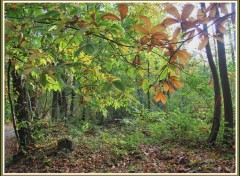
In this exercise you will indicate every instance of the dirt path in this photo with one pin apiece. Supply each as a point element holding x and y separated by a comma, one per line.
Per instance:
<point>10,141</point>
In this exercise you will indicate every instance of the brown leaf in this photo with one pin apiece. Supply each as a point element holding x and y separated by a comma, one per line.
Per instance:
<point>147,23</point>
<point>218,38</point>
<point>171,89</point>
<point>160,36</point>
<point>213,10</point>
<point>190,35</point>
<point>200,14</point>
<point>223,8</point>
<point>169,21</point>
<point>157,98</point>
<point>171,9</point>
<point>176,33</point>
<point>187,25</point>
<point>163,98</point>
<point>165,86</point>
<point>203,43</point>
<point>110,16</point>
<point>156,87</point>
<point>144,40</point>
<point>159,28</point>
<point>123,9</point>
<point>184,53</point>
<point>222,29</point>
<point>140,29</point>
<point>176,83</point>
<point>187,10</point>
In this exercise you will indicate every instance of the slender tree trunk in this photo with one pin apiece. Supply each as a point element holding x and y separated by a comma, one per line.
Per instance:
<point>217,94</point>
<point>227,99</point>
<point>72,107</point>
<point>148,92</point>
<point>233,22</point>
<point>231,43</point>
<point>55,105</point>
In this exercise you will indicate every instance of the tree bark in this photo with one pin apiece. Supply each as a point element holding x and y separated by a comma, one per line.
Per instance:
<point>21,111</point>
<point>217,94</point>
<point>227,99</point>
<point>55,105</point>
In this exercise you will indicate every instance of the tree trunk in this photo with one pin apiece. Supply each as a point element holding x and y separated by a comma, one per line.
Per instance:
<point>21,111</point>
<point>72,107</point>
<point>227,99</point>
<point>217,94</point>
<point>55,105</point>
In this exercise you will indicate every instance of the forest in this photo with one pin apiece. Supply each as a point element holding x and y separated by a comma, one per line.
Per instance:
<point>116,87</point>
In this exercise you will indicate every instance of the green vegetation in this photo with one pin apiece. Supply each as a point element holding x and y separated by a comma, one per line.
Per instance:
<point>109,87</point>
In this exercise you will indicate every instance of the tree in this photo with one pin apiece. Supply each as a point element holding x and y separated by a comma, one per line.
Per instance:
<point>217,94</point>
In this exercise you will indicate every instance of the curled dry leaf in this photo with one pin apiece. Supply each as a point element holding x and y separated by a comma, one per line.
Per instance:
<point>203,43</point>
<point>169,21</point>
<point>123,10</point>
<point>171,9</point>
<point>190,35</point>
<point>187,10</point>
<point>110,16</point>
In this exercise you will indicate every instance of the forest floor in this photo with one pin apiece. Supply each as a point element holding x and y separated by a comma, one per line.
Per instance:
<point>95,155</point>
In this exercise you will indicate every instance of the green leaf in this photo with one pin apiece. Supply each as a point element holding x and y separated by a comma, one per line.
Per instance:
<point>90,49</point>
<point>78,51</point>
<point>43,80</point>
<point>105,87</point>
<point>164,73</point>
<point>145,84</point>
<point>119,85</point>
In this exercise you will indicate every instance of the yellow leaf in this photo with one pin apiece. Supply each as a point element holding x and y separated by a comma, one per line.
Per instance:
<point>187,10</point>
<point>140,29</point>
<point>169,21</point>
<point>203,43</point>
<point>165,86</point>
<point>123,9</point>
<point>147,23</point>
<point>171,9</point>
<point>159,28</point>
<point>110,16</point>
